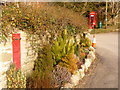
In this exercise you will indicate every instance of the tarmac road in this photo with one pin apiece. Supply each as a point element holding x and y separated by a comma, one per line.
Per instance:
<point>106,72</point>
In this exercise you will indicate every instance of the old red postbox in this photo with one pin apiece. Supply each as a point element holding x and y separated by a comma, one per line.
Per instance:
<point>16,50</point>
<point>92,20</point>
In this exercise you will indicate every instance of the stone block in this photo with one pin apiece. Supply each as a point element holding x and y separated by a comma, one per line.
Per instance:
<point>91,49</point>
<point>3,78</point>
<point>75,78</point>
<point>91,55</point>
<point>28,66</point>
<point>82,73</point>
<point>3,84</point>
<point>5,56</point>
<point>87,64</point>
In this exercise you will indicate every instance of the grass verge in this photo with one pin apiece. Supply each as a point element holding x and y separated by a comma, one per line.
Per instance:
<point>103,30</point>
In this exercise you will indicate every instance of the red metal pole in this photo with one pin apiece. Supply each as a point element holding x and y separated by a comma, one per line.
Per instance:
<point>16,50</point>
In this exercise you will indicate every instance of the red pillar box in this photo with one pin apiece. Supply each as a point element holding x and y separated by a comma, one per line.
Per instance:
<point>16,50</point>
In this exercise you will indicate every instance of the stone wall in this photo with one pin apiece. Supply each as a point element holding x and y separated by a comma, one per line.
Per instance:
<point>5,60</point>
<point>27,60</point>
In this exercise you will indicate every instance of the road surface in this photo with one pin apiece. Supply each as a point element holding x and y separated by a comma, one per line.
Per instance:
<point>106,72</point>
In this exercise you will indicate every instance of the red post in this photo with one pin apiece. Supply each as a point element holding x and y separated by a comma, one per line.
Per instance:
<point>16,50</point>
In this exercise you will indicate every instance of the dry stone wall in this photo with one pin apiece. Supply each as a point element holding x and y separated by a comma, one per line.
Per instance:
<point>27,60</point>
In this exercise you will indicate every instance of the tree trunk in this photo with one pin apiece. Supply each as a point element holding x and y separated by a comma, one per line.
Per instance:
<point>113,12</point>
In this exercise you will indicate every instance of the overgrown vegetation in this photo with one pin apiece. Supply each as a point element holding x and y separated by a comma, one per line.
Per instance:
<point>32,20</point>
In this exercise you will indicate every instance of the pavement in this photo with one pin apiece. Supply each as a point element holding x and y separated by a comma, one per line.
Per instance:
<point>106,72</point>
